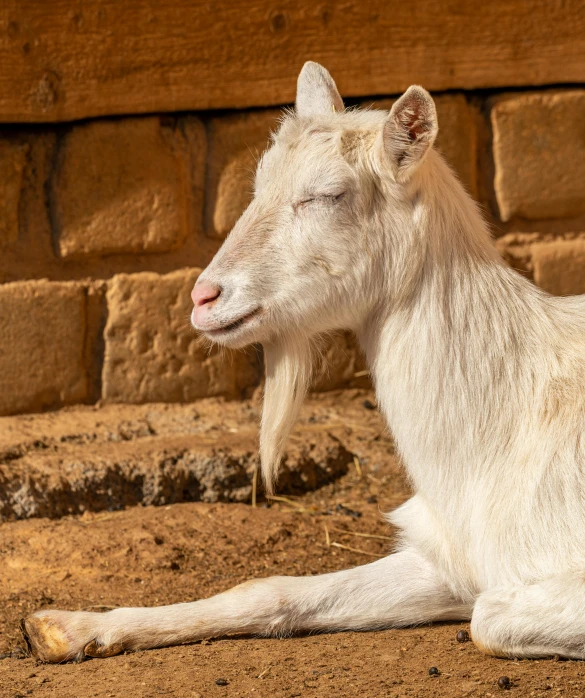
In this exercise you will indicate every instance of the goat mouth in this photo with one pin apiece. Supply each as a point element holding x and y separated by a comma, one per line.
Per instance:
<point>231,327</point>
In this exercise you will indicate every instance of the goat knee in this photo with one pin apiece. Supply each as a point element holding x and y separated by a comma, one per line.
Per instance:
<point>489,628</point>
<point>530,622</point>
<point>270,602</point>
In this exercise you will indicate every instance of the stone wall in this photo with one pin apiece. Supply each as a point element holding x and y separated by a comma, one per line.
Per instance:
<point>105,224</point>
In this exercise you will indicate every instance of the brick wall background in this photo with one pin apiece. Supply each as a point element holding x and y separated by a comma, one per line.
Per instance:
<point>106,222</point>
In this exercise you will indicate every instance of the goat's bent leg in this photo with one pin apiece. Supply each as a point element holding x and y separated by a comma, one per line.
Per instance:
<point>536,620</point>
<point>399,590</point>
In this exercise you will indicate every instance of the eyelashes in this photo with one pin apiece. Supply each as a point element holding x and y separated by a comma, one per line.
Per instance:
<point>320,198</point>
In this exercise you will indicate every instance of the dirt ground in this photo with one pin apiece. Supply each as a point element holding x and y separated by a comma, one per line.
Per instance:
<point>146,555</point>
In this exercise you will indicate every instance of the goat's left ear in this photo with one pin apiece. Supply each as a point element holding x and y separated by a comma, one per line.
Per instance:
<point>316,91</point>
<point>409,131</point>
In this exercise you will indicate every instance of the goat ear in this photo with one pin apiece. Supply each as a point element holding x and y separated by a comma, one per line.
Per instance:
<point>410,131</point>
<point>316,91</point>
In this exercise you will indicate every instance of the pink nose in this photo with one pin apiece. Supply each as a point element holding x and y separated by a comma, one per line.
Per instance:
<point>203,293</point>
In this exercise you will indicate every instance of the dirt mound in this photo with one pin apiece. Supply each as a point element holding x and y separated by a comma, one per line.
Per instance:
<point>94,459</point>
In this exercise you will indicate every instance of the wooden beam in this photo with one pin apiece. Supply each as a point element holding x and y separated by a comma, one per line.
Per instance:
<point>71,59</point>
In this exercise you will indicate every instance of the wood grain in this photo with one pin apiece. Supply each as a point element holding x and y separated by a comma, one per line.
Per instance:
<point>71,59</point>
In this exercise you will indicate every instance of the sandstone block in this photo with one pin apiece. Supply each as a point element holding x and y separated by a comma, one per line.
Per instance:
<point>516,249</point>
<point>42,325</point>
<point>12,163</point>
<point>539,154</point>
<point>556,263</point>
<point>559,266</point>
<point>153,355</point>
<point>457,139</point>
<point>235,143</point>
<point>128,186</point>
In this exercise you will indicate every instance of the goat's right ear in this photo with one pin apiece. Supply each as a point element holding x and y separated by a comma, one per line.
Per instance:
<point>409,131</point>
<point>316,91</point>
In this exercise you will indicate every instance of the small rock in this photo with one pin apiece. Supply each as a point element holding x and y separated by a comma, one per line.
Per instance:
<point>346,511</point>
<point>221,682</point>
<point>504,683</point>
<point>433,671</point>
<point>462,636</point>
<point>18,653</point>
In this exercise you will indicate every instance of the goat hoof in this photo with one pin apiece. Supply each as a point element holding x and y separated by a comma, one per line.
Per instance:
<point>95,649</point>
<point>46,641</point>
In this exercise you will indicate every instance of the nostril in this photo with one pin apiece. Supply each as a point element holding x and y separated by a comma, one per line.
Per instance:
<point>204,293</point>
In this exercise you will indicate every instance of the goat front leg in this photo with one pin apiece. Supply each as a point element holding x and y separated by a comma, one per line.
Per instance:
<point>399,590</point>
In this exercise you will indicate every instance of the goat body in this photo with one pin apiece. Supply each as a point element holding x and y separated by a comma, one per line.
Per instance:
<point>358,223</point>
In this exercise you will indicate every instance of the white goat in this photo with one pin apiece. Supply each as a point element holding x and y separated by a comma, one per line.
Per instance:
<point>357,223</point>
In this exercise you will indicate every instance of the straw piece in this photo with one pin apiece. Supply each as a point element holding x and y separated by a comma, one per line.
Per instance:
<point>356,550</point>
<point>361,535</point>
<point>254,486</point>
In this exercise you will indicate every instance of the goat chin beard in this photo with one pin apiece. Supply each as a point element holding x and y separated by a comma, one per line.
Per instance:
<point>289,364</point>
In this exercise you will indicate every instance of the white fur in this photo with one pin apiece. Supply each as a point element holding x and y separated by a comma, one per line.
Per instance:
<point>358,223</point>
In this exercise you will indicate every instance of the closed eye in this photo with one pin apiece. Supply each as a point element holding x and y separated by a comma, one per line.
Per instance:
<point>321,198</point>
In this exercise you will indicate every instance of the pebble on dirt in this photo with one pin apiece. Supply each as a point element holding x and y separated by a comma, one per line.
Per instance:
<point>433,671</point>
<point>504,683</point>
<point>346,511</point>
<point>462,636</point>
<point>221,682</point>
